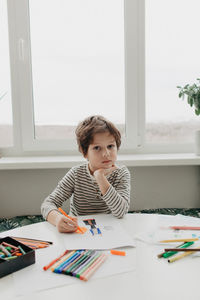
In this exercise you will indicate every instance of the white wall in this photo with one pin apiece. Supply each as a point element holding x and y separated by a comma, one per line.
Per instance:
<point>22,191</point>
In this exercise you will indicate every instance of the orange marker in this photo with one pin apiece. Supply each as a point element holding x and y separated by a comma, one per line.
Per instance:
<point>116,252</point>
<point>83,230</point>
<point>66,215</point>
<point>54,261</point>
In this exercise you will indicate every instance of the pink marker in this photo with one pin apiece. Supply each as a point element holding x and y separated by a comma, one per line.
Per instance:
<point>185,227</point>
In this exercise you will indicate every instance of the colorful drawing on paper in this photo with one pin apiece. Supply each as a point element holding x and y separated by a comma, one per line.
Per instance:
<point>92,223</point>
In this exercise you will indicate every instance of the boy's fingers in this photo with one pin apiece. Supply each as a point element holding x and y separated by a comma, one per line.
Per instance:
<point>70,223</point>
<point>69,228</point>
<point>110,170</point>
<point>66,225</point>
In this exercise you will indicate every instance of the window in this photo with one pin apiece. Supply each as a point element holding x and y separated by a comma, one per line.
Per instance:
<point>6,134</point>
<point>119,58</point>
<point>172,59</point>
<point>76,65</point>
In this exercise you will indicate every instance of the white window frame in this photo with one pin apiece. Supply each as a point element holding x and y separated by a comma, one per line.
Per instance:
<point>21,82</point>
<point>21,88</point>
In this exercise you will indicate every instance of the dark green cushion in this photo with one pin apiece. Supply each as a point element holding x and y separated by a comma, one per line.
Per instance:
<point>11,223</point>
<point>192,212</point>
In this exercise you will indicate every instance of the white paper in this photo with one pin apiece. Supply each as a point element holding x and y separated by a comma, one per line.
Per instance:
<point>162,230</point>
<point>113,235</point>
<point>34,278</point>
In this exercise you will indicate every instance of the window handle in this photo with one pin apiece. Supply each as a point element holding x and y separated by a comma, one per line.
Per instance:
<point>21,49</point>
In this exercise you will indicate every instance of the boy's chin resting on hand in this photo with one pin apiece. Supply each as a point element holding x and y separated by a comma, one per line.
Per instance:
<point>104,172</point>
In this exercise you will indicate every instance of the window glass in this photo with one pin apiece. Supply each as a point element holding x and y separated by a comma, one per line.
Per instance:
<point>172,59</point>
<point>6,134</point>
<point>77,49</point>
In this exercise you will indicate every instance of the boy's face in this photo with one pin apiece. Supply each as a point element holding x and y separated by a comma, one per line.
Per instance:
<point>102,152</point>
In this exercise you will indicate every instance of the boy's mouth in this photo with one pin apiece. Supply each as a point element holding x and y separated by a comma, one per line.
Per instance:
<point>106,161</point>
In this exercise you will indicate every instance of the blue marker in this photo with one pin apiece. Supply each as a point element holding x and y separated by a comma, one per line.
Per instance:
<point>99,231</point>
<point>92,231</point>
<point>64,264</point>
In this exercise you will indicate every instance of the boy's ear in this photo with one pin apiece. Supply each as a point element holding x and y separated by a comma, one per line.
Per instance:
<point>84,155</point>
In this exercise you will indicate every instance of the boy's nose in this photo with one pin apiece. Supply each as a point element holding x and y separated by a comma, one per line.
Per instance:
<point>106,153</point>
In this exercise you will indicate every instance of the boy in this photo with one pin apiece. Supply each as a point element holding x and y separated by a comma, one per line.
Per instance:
<point>97,186</point>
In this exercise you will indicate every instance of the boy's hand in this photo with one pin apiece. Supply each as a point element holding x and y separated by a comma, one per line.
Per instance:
<point>104,172</point>
<point>64,224</point>
<point>100,176</point>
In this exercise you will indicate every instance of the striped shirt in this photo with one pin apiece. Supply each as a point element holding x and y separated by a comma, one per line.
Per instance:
<point>81,188</point>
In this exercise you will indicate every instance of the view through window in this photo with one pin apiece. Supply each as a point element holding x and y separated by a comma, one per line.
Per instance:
<point>77,63</point>
<point>172,59</point>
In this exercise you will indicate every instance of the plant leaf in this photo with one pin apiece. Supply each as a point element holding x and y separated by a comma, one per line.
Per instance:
<point>191,102</point>
<point>180,94</point>
<point>197,112</point>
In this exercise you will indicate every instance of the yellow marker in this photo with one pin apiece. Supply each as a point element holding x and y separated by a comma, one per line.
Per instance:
<point>62,260</point>
<point>179,240</point>
<point>181,256</point>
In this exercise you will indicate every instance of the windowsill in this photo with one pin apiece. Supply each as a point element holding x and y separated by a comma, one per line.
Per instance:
<point>59,162</point>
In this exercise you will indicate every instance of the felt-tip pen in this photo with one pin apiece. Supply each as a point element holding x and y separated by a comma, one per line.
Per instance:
<point>170,253</point>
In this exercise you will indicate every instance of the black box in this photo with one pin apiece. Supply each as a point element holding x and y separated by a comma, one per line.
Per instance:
<point>25,260</point>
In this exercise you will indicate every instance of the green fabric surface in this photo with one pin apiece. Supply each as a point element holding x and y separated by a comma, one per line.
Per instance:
<point>11,223</point>
<point>192,212</point>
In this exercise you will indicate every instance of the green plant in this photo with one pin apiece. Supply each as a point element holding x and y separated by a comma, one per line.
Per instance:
<point>192,92</point>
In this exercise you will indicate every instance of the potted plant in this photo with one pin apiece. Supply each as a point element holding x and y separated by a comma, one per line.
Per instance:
<point>192,93</point>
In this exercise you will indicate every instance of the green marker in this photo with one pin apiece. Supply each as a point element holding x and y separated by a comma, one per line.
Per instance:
<point>170,253</point>
<point>10,257</point>
<point>78,263</point>
<point>22,250</point>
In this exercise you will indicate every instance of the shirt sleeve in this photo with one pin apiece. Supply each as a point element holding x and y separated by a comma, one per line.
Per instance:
<point>118,198</point>
<point>61,193</point>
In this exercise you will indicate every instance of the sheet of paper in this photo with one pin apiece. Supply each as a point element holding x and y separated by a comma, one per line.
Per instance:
<point>162,230</point>
<point>34,278</point>
<point>112,234</point>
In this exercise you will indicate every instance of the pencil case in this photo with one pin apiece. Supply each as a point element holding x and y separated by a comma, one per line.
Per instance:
<point>10,261</point>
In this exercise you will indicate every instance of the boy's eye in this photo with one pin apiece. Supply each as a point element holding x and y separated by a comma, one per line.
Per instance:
<point>110,146</point>
<point>96,148</point>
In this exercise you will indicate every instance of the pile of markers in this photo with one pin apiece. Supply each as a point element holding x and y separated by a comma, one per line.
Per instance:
<point>183,247</point>
<point>78,263</point>
<point>8,251</point>
<point>33,243</point>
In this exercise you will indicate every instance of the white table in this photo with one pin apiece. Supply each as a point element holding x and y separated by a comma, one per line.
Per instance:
<point>153,278</point>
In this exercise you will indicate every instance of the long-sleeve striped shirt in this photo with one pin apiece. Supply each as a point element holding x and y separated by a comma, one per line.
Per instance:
<point>81,188</point>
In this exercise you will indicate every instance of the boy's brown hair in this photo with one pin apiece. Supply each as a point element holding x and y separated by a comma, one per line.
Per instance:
<point>86,130</point>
